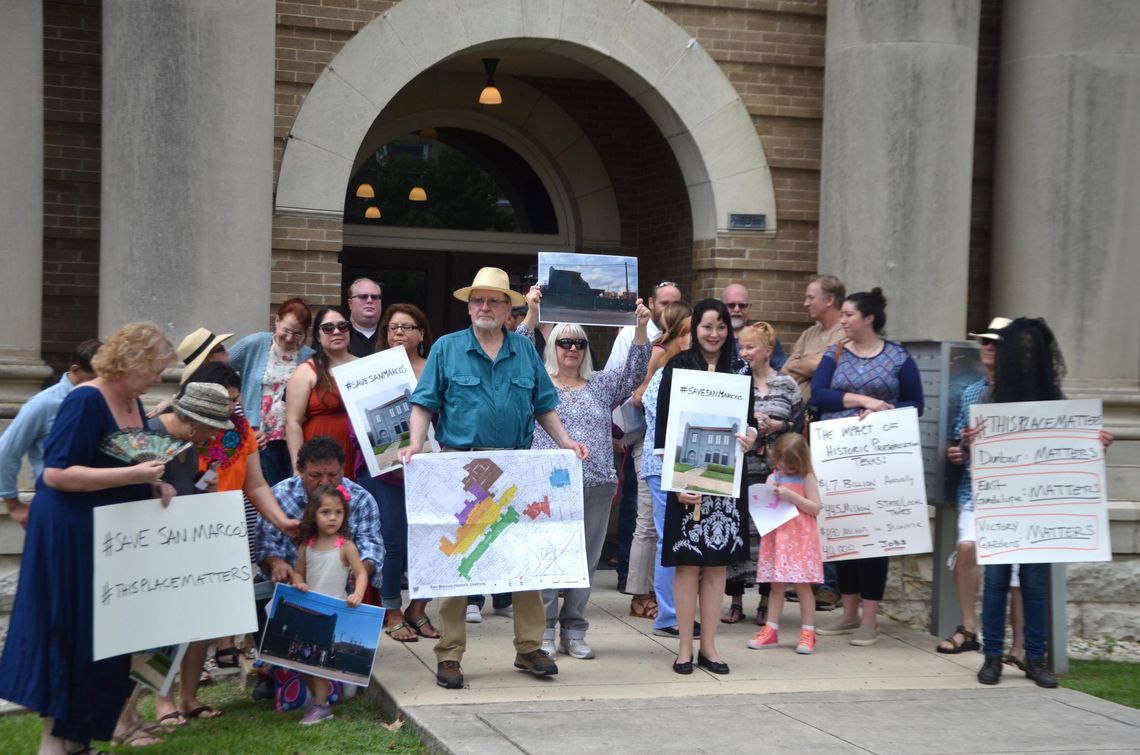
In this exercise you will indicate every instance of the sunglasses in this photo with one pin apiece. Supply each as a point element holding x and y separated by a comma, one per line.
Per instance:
<point>572,343</point>
<point>366,297</point>
<point>663,284</point>
<point>339,327</point>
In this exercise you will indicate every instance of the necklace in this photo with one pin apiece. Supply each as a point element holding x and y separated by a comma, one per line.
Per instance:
<point>570,391</point>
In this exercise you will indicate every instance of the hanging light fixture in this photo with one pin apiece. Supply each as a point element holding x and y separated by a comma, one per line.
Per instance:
<point>490,94</point>
<point>372,213</point>
<point>417,194</point>
<point>429,133</point>
<point>365,191</point>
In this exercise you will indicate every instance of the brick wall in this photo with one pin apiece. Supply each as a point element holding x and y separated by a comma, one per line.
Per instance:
<point>72,117</point>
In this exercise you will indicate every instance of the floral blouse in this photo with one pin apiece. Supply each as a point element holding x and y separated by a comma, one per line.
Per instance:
<point>279,367</point>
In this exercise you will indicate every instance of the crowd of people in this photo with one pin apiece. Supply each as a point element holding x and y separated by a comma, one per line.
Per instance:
<point>266,418</point>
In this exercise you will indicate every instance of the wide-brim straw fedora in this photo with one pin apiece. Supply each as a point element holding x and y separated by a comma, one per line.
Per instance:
<point>491,279</point>
<point>196,347</point>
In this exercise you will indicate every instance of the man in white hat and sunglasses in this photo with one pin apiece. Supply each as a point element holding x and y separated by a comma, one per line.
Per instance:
<point>503,373</point>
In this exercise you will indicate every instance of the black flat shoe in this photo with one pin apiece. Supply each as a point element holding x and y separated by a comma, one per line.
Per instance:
<point>716,667</point>
<point>683,668</point>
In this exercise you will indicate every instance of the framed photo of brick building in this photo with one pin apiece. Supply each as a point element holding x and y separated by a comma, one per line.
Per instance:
<point>588,289</point>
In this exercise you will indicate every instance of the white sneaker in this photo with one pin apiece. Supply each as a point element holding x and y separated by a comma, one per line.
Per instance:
<point>547,645</point>
<point>508,611</point>
<point>473,614</point>
<point>577,648</point>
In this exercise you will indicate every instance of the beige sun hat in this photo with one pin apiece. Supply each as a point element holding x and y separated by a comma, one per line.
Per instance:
<point>491,279</point>
<point>996,324</point>
<point>195,347</point>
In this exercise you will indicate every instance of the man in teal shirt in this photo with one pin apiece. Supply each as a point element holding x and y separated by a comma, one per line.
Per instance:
<point>488,388</point>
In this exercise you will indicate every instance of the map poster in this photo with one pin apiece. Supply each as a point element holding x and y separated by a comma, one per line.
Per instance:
<point>871,485</point>
<point>1039,482</point>
<point>494,521</point>
<point>164,576</point>
<point>375,391</point>
<point>706,411</point>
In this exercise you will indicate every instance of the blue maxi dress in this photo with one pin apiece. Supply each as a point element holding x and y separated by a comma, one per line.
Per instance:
<point>47,664</point>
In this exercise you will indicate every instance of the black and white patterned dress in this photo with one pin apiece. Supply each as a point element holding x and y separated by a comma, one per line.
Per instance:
<point>719,538</point>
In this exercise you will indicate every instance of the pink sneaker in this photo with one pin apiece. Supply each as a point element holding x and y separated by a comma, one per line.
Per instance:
<point>766,638</point>
<point>807,642</point>
<point>316,714</point>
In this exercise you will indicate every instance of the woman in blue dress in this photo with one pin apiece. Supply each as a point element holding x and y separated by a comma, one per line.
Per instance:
<point>47,664</point>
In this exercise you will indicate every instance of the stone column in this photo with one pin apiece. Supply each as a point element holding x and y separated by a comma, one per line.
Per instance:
<point>21,200</point>
<point>1067,180</point>
<point>187,200</point>
<point>898,135</point>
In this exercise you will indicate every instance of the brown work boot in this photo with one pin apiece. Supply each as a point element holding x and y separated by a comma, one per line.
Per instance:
<point>449,675</point>
<point>537,663</point>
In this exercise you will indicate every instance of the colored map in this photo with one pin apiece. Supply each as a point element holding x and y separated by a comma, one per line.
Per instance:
<point>494,521</point>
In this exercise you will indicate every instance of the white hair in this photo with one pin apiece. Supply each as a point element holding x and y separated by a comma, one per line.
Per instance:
<point>550,353</point>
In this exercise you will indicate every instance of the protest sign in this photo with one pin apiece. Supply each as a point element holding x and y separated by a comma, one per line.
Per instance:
<point>375,391</point>
<point>321,635</point>
<point>706,411</point>
<point>767,509</point>
<point>1039,482</point>
<point>494,521</point>
<point>164,576</point>
<point>871,486</point>
<point>589,289</point>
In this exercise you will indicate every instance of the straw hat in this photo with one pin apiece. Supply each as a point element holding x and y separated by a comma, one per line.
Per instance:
<point>196,347</point>
<point>208,403</point>
<point>996,324</point>
<point>491,279</point>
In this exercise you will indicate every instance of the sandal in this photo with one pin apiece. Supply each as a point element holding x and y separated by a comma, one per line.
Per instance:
<point>424,628</point>
<point>403,625</point>
<point>643,606</point>
<point>232,656</point>
<point>204,712</point>
<point>171,720</point>
<point>969,642</point>
<point>140,736</point>
<point>761,614</point>
<point>1010,659</point>
<point>735,614</point>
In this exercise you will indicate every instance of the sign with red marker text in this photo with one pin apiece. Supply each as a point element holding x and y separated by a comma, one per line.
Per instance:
<point>871,485</point>
<point>1039,482</point>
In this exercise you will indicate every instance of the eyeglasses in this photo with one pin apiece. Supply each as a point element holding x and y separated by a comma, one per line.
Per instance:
<point>572,343</point>
<point>737,305</point>
<point>402,328</point>
<point>291,334</point>
<point>339,327</point>
<point>479,302</point>
<point>366,297</point>
<point>988,341</point>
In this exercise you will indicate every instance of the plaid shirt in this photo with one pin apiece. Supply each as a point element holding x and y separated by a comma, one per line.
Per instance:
<point>974,393</point>
<point>363,524</point>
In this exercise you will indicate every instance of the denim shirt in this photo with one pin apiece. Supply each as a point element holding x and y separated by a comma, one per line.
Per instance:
<point>484,403</point>
<point>27,433</point>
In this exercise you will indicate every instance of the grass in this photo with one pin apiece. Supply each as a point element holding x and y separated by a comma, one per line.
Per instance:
<point>717,476</point>
<point>679,467</point>
<point>248,727</point>
<point>1111,680</point>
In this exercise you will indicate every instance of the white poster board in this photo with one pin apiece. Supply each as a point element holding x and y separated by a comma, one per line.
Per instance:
<point>1038,482</point>
<point>375,391</point>
<point>494,521</point>
<point>706,411</point>
<point>590,289</point>
<point>871,486</point>
<point>767,509</point>
<point>166,576</point>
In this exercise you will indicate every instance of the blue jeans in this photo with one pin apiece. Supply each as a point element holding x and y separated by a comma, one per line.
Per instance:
<point>394,532</point>
<point>275,465</point>
<point>662,575</point>
<point>1034,598</point>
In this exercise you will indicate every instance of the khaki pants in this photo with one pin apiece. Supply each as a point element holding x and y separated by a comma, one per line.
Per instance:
<point>530,620</point>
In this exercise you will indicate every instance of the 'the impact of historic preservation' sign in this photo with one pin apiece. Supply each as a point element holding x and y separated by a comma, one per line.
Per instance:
<point>871,485</point>
<point>166,576</point>
<point>1038,478</point>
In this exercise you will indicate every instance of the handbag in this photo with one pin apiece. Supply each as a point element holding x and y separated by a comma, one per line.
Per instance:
<point>811,411</point>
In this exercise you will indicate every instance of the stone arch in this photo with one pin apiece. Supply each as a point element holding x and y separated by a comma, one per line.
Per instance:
<point>564,158</point>
<point>631,43</point>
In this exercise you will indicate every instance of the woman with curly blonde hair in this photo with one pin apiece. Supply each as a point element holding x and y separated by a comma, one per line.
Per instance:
<point>47,663</point>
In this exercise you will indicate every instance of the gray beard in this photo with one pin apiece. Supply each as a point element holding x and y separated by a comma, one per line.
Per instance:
<point>486,325</point>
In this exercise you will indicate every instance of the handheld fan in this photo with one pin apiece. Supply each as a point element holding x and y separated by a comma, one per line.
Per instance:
<point>134,446</point>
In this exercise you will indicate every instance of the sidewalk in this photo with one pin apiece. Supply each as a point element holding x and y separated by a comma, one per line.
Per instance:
<point>897,696</point>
